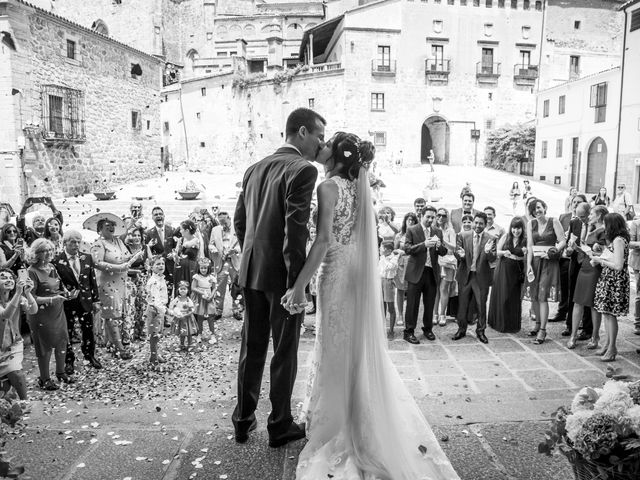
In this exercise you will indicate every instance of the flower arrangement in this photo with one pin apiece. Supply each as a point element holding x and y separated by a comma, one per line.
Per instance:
<point>600,432</point>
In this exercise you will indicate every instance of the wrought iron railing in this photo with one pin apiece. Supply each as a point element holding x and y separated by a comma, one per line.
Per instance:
<point>63,113</point>
<point>437,65</point>
<point>525,71</point>
<point>383,67</point>
<point>487,69</point>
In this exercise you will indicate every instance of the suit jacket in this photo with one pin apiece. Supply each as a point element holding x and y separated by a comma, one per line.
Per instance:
<point>417,251</point>
<point>271,218</point>
<point>565,220</point>
<point>86,285</point>
<point>483,262</point>
<point>456,218</point>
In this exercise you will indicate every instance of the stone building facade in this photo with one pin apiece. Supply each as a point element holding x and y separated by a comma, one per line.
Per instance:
<point>83,108</point>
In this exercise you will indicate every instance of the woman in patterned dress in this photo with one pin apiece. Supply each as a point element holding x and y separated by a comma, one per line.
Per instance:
<point>612,289</point>
<point>53,233</point>
<point>136,305</point>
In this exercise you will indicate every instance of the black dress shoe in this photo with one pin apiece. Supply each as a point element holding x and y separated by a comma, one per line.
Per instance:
<point>459,334</point>
<point>482,337</point>
<point>93,361</point>
<point>566,332</point>
<point>63,377</point>
<point>296,432</point>
<point>558,318</point>
<point>242,437</point>
<point>411,338</point>
<point>68,368</point>
<point>584,336</point>
<point>429,336</point>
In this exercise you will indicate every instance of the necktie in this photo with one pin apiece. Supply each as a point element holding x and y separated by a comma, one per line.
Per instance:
<point>161,235</point>
<point>427,234</point>
<point>74,261</point>
<point>476,250</point>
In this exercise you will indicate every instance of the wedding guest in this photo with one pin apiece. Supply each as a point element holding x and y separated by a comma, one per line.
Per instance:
<point>227,243</point>
<point>543,269</point>
<point>465,190</point>
<point>448,265</point>
<point>203,288</point>
<point>387,268</point>
<point>568,207</point>
<point>312,291</point>
<point>157,300</point>
<point>529,210</point>
<point>160,238</point>
<point>612,290</point>
<point>399,282</point>
<point>468,199</point>
<point>386,229</point>
<point>186,254</point>
<point>38,222</point>
<point>514,196</point>
<point>181,310</point>
<point>418,206</point>
<point>424,245</point>
<point>601,198</point>
<point>494,229</point>
<point>12,248</point>
<point>135,307</point>
<point>475,250</point>
<point>15,297</point>
<point>53,233</point>
<point>527,190</point>
<point>634,264</point>
<point>77,273</point>
<point>112,261</point>
<point>202,232</point>
<point>622,203</point>
<point>505,307</point>
<point>48,324</point>
<point>467,223</point>
<point>594,237</point>
<point>5,217</point>
<point>137,219</point>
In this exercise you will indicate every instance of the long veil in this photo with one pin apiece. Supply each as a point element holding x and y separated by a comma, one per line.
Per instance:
<point>387,431</point>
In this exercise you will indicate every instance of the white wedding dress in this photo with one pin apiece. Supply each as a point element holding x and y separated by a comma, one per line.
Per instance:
<point>362,423</point>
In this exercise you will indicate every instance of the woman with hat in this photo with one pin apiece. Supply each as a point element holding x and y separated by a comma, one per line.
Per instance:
<point>112,261</point>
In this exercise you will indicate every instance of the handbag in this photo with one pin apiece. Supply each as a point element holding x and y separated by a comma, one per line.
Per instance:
<point>631,213</point>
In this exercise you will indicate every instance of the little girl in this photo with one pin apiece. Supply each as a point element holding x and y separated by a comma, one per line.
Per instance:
<point>203,288</point>
<point>181,309</point>
<point>157,299</point>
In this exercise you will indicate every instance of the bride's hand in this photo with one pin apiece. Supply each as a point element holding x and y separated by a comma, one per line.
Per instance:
<point>294,301</point>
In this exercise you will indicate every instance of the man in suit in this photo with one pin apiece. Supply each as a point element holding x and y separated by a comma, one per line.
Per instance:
<point>160,240</point>
<point>271,225</point>
<point>475,250</point>
<point>468,199</point>
<point>423,244</point>
<point>77,273</point>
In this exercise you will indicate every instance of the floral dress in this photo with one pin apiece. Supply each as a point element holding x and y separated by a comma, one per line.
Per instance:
<point>612,289</point>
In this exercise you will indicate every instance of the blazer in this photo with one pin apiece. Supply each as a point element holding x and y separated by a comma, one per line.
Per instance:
<point>483,262</point>
<point>160,248</point>
<point>565,220</point>
<point>271,219</point>
<point>456,218</point>
<point>87,285</point>
<point>415,248</point>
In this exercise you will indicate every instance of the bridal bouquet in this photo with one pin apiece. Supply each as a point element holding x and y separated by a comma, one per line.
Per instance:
<point>600,432</point>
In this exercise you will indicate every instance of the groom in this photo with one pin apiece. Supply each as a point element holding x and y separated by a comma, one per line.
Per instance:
<point>271,224</point>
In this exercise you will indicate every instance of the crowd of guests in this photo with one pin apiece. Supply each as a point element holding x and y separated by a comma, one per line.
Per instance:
<point>140,279</point>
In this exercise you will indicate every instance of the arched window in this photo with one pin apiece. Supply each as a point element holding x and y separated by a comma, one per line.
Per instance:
<point>192,55</point>
<point>100,27</point>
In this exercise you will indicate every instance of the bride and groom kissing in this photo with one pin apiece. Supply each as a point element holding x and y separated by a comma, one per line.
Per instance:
<point>359,418</point>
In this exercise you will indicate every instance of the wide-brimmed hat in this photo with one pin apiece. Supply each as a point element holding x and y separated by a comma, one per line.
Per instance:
<point>91,223</point>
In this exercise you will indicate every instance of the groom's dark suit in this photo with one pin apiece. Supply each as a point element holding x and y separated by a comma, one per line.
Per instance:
<point>271,225</point>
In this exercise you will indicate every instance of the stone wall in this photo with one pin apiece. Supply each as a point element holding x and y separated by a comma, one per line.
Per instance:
<point>112,149</point>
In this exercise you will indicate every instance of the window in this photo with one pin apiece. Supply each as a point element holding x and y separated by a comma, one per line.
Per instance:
<point>574,66</point>
<point>198,115</point>
<point>526,31</point>
<point>437,26</point>
<point>599,101</point>
<point>544,147</point>
<point>312,103</point>
<point>63,113</point>
<point>117,2</point>
<point>561,104</point>
<point>635,21</point>
<point>526,4</point>
<point>545,109</point>
<point>476,3</point>
<point>525,58</point>
<point>559,148</point>
<point>136,70</point>
<point>500,3</point>
<point>165,127</point>
<point>384,58</point>
<point>451,2</point>
<point>489,124</point>
<point>379,138</point>
<point>488,29</point>
<point>209,36</point>
<point>136,120</point>
<point>514,4</point>
<point>377,102</point>
<point>576,25</point>
<point>437,51</point>
<point>487,61</point>
<point>202,144</point>
<point>489,3</point>
<point>539,5</point>
<point>203,91</point>
<point>221,54</point>
<point>71,49</point>
<point>148,124</point>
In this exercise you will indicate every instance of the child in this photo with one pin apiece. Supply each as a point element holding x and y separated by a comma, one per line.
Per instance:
<point>388,267</point>
<point>157,299</point>
<point>181,309</point>
<point>203,288</point>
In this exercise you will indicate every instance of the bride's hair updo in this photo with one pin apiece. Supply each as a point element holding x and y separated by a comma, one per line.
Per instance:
<point>352,152</point>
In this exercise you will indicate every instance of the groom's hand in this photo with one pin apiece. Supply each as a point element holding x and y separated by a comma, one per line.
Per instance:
<point>294,301</point>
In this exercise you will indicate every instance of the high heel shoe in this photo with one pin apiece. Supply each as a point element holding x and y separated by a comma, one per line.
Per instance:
<point>542,335</point>
<point>593,344</point>
<point>571,344</point>
<point>609,358</point>
<point>535,331</point>
<point>602,352</point>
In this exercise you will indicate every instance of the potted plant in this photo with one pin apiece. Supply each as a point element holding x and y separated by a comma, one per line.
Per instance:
<point>190,191</point>
<point>600,433</point>
<point>103,190</point>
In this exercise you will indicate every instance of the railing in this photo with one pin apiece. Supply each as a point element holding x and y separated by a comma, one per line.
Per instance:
<point>326,67</point>
<point>62,113</point>
<point>487,69</point>
<point>439,66</point>
<point>383,68</point>
<point>525,72</point>
<point>574,74</point>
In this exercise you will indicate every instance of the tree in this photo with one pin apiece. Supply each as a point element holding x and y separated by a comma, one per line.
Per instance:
<point>510,144</point>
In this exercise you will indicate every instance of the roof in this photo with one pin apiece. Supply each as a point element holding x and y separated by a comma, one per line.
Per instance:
<point>83,28</point>
<point>322,34</point>
<point>630,3</point>
<point>581,78</point>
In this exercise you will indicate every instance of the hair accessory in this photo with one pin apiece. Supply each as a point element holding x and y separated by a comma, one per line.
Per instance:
<point>204,262</point>
<point>183,283</point>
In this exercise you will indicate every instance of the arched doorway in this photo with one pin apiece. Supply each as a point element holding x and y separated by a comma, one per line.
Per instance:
<point>435,136</point>
<point>596,165</point>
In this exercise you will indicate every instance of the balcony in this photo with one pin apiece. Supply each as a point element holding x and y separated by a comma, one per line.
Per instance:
<point>384,69</point>
<point>325,67</point>
<point>437,70</point>
<point>574,74</point>
<point>524,74</point>
<point>487,72</point>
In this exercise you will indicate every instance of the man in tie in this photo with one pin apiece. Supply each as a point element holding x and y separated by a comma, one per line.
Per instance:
<point>475,250</point>
<point>468,199</point>
<point>77,273</point>
<point>160,240</point>
<point>423,245</point>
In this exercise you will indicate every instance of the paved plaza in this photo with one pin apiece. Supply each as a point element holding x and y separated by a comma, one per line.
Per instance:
<point>488,404</point>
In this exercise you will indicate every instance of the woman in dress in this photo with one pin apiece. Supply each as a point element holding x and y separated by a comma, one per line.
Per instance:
<point>601,198</point>
<point>136,305</point>
<point>48,324</point>
<point>573,191</point>
<point>588,275</point>
<point>612,290</point>
<point>112,261</point>
<point>362,422</point>
<point>514,196</point>
<point>399,281</point>
<point>545,241</point>
<point>53,233</point>
<point>387,230</point>
<point>448,265</point>
<point>11,248</point>
<point>505,308</point>
<point>186,254</point>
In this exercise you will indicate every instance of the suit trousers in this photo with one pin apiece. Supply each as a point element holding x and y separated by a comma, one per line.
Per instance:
<point>563,306</point>
<point>472,295</point>
<point>264,315</point>
<point>428,288</point>
<point>587,324</point>
<point>73,310</point>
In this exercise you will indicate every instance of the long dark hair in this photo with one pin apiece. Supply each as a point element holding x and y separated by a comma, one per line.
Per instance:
<point>404,221</point>
<point>516,222</point>
<point>47,234</point>
<point>350,151</point>
<point>615,226</point>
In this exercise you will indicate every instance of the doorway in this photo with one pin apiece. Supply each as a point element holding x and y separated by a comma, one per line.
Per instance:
<point>435,136</point>
<point>596,165</point>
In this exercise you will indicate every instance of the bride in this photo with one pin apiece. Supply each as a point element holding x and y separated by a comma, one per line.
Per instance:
<point>362,423</point>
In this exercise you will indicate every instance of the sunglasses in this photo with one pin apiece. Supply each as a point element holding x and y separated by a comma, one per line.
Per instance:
<point>12,231</point>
